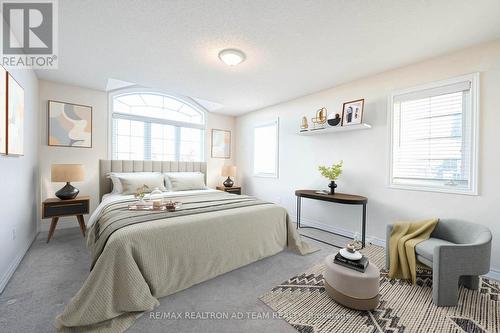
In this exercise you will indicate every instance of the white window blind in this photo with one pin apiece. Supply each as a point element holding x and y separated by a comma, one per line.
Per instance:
<point>266,150</point>
<point>433,137</point>
<point>151,126</point>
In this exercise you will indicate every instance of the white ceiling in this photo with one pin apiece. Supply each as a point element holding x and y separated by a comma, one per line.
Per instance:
<point>293,47</point>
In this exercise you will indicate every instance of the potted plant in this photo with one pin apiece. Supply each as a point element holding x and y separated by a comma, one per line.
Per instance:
<point>331,173</point>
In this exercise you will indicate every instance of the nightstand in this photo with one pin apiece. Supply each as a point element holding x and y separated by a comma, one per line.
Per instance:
<point>56,208</point>
<point>233,190</point>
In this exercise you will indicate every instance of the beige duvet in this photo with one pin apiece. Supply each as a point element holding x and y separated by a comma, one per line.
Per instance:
<point>141,262</point>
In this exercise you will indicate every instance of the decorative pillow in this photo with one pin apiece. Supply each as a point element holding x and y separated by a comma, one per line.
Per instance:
<point>129,182</point>
<point>117,185</point>
<point>184,181</point>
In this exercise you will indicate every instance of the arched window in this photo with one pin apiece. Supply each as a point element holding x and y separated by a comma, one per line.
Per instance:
<point>153,126</point>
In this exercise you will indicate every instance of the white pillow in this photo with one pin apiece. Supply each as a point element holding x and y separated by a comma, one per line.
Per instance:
<point>129,182</point>
<point>184,181</point>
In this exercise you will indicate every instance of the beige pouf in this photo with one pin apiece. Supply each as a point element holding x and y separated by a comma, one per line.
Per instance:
<point>353,289</point>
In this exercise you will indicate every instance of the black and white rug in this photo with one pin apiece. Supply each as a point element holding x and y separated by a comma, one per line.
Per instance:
<point>303,302</point>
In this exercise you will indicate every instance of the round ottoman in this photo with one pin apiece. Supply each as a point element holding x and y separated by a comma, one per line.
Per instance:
<point>352,289</point>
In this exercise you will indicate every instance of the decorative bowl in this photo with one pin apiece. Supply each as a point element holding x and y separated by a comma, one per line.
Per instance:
<point>350,255</point>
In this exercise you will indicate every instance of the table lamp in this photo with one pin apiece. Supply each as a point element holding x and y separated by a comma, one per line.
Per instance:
<point>228,171</point>
<point>67,173</point>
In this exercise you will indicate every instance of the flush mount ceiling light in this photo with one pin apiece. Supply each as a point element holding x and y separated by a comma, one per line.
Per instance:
<point>232,57</point>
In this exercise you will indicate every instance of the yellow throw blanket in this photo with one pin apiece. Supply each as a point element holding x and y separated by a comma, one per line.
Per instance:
<point>404,237</point>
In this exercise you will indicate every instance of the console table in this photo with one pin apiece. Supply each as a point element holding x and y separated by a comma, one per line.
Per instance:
<point>340,198</point>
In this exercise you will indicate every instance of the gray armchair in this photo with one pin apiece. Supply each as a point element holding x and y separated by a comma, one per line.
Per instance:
<point>458,252</point>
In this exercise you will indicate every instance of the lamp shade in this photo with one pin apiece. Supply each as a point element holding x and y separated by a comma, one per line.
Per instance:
<point>228,171</point>
<point>67,173</point>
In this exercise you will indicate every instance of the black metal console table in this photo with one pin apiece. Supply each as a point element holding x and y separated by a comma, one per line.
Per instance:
<point>341,198</point>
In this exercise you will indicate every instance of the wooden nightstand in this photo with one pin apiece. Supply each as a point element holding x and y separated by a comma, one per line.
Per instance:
<point>56,208</point>
<point>233,190</point>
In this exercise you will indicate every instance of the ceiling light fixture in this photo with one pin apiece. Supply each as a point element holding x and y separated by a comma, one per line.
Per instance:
<point>232,57</point>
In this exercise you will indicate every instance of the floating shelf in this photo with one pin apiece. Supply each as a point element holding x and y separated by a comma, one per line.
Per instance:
<point>336,129</point>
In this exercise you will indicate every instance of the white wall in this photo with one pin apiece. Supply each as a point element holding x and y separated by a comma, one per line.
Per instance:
<point>214,165</point>
<point>365,153</point>
<point>19,184</point>
<point>89,157</point>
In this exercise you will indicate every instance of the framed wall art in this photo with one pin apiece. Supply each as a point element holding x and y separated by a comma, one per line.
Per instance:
<point>221,143</point>
<point>353,112</point>
<point>3,111</point>
<point>15,117</point>
<point>69,125</point>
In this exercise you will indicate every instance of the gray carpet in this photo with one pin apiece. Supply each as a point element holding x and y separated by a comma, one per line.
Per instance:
<point>50,274</point>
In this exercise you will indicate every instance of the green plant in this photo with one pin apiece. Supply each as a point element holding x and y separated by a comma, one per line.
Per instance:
<point>333,172</point>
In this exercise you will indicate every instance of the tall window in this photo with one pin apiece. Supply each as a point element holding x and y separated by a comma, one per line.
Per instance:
<point>433,131</point>
<point>265,139</point>
<point>152,126</point>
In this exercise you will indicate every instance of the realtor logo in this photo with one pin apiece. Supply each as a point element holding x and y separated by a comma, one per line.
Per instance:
<point>29,34</point>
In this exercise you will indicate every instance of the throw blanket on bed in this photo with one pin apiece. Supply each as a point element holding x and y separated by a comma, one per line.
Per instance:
<point>404,237</point>
<point>139,257</point>
<point>116,215</point>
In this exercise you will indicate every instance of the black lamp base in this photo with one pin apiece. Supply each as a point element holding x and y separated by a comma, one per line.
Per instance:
<point>228,182</point>
<point>67,192</point>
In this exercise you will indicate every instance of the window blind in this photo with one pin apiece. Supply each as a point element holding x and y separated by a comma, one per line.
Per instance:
<point>432,137</point>
<point>426,93</point>
<point>144,140</point>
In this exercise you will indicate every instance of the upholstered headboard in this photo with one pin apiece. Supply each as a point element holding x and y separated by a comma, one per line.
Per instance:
<point>107,166</point>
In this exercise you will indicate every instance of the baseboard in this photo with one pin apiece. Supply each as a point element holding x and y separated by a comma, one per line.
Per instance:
<point>492,274</point>
<point>15,263</point>
<point>341,231</point>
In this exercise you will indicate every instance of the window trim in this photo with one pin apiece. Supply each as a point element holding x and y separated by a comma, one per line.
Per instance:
<point>277,159</point>
<point>186,100</point>
<point>474,115</point>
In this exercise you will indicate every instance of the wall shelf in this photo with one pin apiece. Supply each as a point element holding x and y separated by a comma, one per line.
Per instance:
<point>336,129</point>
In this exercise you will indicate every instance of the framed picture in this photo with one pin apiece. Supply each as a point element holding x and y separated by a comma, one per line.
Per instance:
<point>70,125</point>
<point>352,112</point>
<point>15,117</point>
<point>221,143</point>
<point>3,110</point>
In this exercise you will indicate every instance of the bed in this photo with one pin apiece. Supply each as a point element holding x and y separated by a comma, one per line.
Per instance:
<point>138,257</point>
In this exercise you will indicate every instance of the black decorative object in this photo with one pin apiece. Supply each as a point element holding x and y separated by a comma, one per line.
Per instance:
<point>228,182</point>
<point>66,173</point>
<point>67,192</point>
<point>228,171</point>
<point>332,187</point>
<point>334,121</point>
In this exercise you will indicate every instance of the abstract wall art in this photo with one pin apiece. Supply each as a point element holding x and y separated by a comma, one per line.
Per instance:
<point>221,143</point>
<point>3,111</point>
<point>70,125</point>
<point>15,117</point>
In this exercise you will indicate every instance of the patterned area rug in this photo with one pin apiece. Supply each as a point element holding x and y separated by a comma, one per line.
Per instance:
<point>303,302</point>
